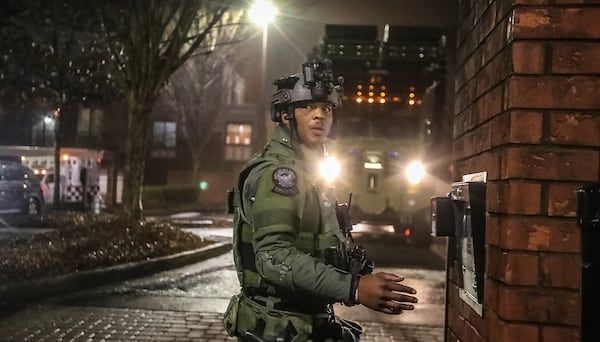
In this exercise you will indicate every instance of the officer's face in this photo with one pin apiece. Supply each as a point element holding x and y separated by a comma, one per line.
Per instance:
<point>314,121</point>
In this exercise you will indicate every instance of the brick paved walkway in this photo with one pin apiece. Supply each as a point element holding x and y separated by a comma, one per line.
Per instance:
<point>71,323</point>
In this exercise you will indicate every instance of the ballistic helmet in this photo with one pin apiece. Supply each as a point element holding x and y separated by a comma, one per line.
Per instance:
<point>316,83</point>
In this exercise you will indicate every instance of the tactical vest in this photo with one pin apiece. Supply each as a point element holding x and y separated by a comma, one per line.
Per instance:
<point>315,244</point>
<point>245,313</point>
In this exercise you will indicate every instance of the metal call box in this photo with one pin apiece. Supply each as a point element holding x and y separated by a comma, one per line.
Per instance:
<point>461,215</point>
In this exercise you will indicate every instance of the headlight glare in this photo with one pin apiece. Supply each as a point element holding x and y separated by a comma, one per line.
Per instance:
<point>329,169</point>
<point>415,172</point>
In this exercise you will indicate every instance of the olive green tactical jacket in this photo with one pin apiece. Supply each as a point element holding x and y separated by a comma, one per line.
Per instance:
<point>284,201</point>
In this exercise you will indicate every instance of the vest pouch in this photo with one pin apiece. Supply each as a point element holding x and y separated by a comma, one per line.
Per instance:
<point>231,315</point>
<point>272,323</point>
<point>231,201</point>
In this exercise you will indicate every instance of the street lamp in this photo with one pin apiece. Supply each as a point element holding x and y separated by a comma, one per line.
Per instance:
<point>41,129</point>
<point>48,123</point>
<point>57,118</point>
<point>262,13</point>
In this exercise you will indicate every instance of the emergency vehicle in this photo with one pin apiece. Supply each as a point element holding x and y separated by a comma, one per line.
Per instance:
<point>383,136</point>
<point>381,162</point>
<point>75,163</point>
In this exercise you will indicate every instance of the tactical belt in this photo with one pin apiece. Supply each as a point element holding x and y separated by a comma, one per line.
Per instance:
<point>315,309</point>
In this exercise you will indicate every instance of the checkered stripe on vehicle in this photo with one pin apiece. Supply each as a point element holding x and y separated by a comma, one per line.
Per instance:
<point>74,193</point>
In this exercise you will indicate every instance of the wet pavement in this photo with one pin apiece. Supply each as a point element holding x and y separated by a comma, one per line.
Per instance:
<point>187,303</point>
<point>80,323</point>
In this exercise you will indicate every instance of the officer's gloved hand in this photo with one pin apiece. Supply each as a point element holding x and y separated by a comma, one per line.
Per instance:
<point>383,292</point>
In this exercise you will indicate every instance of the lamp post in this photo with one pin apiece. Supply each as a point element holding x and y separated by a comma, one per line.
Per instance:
<point>262,13</point>
<point>57,159</point>
<point>46,122</point>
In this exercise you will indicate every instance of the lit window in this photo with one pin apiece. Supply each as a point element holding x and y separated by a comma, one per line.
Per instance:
<point>237,142</point>
<point>238,134</point>
<point>164,134</point>
<point>89,121</point>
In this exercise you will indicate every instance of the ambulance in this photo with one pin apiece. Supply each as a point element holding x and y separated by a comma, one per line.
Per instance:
<point>78,166</point>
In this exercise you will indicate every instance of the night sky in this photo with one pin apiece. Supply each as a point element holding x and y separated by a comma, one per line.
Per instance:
<point>292,37</point>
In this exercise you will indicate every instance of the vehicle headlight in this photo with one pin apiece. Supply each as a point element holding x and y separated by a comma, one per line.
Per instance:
<point>415,172</point>
<point>329,169</point>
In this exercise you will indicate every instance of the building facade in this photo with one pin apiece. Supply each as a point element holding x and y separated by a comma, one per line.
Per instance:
<point>203,136</point>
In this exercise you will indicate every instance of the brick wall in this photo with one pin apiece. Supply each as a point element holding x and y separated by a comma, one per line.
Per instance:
<point>527,111</point>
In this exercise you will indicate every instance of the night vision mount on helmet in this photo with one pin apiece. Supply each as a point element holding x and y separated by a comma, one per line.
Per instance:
<point>315,84</point>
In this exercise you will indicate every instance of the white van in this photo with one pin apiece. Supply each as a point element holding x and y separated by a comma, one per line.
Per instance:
<point>72,171</point>
<point>47,183</point>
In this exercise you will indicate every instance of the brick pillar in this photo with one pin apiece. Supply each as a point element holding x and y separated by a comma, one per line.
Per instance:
<point>527,111</point>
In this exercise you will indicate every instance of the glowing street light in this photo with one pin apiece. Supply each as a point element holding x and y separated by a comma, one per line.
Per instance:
<point>262,13</point>
<point>46,125</point>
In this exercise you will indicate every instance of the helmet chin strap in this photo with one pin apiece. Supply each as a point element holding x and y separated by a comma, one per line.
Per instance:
<point>293,127</point>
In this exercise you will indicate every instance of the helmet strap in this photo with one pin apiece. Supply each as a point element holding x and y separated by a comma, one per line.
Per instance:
<point>294,136</point>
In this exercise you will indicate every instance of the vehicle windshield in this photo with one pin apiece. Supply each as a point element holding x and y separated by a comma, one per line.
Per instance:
<point>402,127</point>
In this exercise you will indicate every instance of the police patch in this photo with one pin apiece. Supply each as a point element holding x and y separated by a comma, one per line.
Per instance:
<point>285,181</point>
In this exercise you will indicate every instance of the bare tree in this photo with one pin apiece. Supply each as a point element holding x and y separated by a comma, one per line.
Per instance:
<point>195,91</point>
<point>147,42</point>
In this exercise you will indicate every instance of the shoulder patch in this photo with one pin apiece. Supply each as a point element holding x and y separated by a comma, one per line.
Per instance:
<point>285,181</point>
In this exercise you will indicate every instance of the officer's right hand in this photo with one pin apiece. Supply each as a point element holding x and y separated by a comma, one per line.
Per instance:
<point>383,292</point>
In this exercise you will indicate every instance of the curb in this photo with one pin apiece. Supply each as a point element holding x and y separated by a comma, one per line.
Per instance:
<point>24,291</point>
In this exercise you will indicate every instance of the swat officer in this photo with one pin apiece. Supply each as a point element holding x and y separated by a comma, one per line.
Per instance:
<point>292,258</point>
